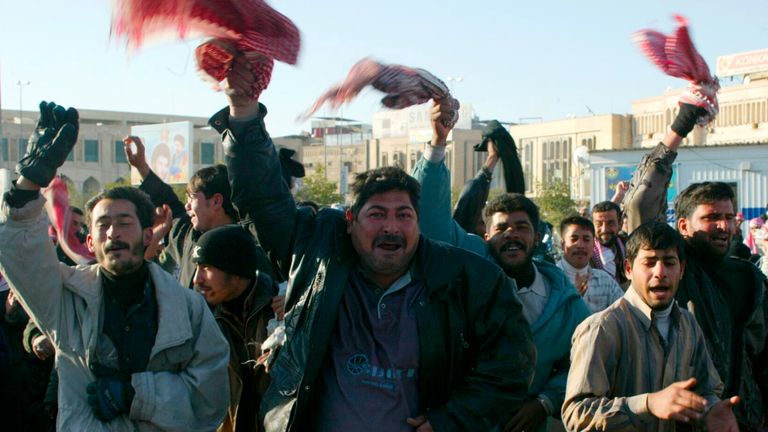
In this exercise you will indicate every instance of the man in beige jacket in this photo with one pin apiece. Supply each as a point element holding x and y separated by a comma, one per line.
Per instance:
<point>642,364</point>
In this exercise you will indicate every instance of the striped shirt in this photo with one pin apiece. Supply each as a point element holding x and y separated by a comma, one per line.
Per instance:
<point>602,289</point>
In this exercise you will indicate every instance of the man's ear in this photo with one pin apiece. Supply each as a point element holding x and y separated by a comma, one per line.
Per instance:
<point>627,269</point>
<point>683,227</point>
<point>350,219</point>
<point>218,200</point>
<point>89,243</point>
<point>146,235</point>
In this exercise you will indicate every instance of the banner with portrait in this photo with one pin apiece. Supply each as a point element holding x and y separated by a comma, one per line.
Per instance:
<point>168,149</point>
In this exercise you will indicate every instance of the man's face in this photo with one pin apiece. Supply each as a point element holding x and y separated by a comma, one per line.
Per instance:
<point>577,245</point>
<point>385,233</point>
<point>511,239</point>
<point>710,228</point>
<point>606,226</point>
<point>162,167</point>
<point>116,236</point>
<point>201,210</point>
<point>216,285</point>
<point>77,222</point>
<point>655,276</point>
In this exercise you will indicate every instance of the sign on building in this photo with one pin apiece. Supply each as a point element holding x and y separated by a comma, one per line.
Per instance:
<point>616,174</point>
<point>743,63</point>
<point>168,148</point>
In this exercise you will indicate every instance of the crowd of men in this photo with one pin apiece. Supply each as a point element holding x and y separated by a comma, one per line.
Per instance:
<point>393,315</point>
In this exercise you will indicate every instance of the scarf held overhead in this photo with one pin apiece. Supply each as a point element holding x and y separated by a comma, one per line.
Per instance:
<point>676,56</point>
<point>237,27</point>
<point>404,86</point>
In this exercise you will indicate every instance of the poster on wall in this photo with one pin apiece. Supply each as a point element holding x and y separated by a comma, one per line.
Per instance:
<point>614,175</point>
<point>168,147</point>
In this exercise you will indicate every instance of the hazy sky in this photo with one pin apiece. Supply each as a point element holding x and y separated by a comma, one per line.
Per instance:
<point>518,59</point>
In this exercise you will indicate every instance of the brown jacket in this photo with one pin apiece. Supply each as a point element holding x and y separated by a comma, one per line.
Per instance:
<point>617,358</point>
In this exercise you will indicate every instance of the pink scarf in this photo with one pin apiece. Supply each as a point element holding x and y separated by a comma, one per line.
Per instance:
<point>403,85</point>
<point>676,56</point>
<point>248,27</point>
<point>60,215</point>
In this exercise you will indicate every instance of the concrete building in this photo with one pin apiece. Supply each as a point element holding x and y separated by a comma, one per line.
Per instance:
<point>98,157</point>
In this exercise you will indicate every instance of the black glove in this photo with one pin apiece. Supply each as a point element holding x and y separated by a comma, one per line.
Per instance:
<point>49,145</point>
<point>686,119</point>
<point>111,394</point>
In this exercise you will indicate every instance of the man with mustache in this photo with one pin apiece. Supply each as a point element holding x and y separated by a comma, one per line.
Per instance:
<point>642,364</point>
<point>725,295</point>
<point>597,288</point>
<point>551,305</point>
<point>134,349</point>
<point>608,246</point>
<point>386,329</point>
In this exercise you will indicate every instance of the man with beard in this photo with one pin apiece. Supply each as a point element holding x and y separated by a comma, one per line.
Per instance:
<point>642,364</point>
<point>597,288</point>
<point>726,295</point>
<point>240,295</point>
<point>134,350</point>
<point>551,305</point>
<point>608,252</point>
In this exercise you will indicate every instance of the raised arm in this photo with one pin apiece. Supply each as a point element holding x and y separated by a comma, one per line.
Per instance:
<point>646,199</point>
<point>469,208</point>
<point>259,193</point>
<point>160,192</point>
<point>435,219</point>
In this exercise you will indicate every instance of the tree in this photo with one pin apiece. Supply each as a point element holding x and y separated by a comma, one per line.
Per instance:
<point>554,201</point>
<point>318,189</point>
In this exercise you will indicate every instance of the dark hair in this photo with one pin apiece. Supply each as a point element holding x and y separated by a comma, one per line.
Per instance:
<point>145,210</point>
<point>702,193</point>
<point>382,180</point>
<point>178,137</point>
<point>577,220</point>
<point>309,203</point>
<point>607,206</point>
<point>213,180</point>
<point>512,202</point>
<point>160,150</point>
<point>76,210</point>
<point>652,236</point>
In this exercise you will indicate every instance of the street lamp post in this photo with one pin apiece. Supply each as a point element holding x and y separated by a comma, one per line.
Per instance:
<point>21,85</point>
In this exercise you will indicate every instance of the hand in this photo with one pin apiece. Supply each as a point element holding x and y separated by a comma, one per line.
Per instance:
<point>493,156</point>
<point>238,87</point>
<point>110,397</point>
<point>420,423</point>
<point>42,347</point>
<point>677,402</point>
<point>10,302</point>
<point>720,418</point>
<point>439,131</point>
<point>621,189</point>
<point>50,143</point>
<point>529,417</point>
<point>160,228</point>
<point>278,306</point>
<point>136,159</point>
<point>582,283</point>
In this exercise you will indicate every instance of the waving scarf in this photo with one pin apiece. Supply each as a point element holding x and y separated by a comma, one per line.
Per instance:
<point>403,85</point>
<point>60,214</point>
<point>248,27</point>
<point>676,56</point>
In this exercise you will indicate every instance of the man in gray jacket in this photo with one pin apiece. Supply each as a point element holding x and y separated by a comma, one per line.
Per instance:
<point>135,350</point>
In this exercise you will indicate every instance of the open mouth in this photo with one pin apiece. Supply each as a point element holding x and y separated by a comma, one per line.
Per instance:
<point>512,247</point>
<point>115,247</point>
<point>390,247</point>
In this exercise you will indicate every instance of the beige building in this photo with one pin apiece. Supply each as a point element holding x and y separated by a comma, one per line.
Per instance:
<point>547,149</point>
<point>98,158</point>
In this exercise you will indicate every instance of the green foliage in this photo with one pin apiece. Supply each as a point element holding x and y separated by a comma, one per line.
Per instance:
<point>554,201</point>
<point>318,189</point>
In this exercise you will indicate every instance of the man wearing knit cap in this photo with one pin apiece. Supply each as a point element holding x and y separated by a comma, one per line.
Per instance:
<point>227,276</point>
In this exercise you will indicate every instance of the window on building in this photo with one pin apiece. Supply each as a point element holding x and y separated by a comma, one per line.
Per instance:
<point>22,147</point>
<point>4,149</point>
<point>206,153</point>
<point>384,160</point>
<point>91,150</point>
<point>120,152</point>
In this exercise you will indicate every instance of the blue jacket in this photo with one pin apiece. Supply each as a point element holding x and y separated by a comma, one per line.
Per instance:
<point>564,310</point>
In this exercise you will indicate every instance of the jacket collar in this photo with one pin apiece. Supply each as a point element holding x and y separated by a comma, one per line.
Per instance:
<point>260,293</point>
<point>173,326</point>
<point>220,120</point>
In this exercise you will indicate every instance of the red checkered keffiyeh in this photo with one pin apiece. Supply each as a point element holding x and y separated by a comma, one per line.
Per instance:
<point>60,214</point>
<point>248,27</point>
<point>403,85</point>
<point>676,56</point>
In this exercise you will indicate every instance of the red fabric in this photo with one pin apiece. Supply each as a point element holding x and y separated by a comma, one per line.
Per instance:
<point>403,85</point>
<point>60,214</point>
<point>676,56</point>
<point>250,27</point>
